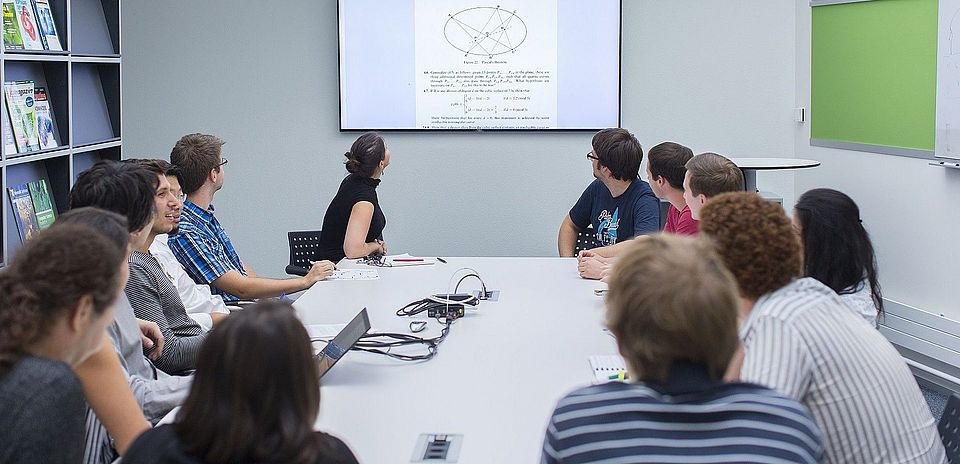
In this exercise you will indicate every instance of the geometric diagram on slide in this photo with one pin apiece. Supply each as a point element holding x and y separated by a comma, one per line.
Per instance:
<point>485,31</point>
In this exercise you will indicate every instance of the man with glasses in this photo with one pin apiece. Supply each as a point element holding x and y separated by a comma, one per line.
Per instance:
<point>617,204</point>
<point>202,246</point>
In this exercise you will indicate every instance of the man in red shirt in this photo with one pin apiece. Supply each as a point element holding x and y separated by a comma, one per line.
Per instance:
<point>665,171</point>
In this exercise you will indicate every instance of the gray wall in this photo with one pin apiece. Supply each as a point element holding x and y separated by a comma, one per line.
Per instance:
<point>713,74</point>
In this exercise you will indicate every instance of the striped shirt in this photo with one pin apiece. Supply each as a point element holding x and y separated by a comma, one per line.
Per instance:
<point>802,341</point>
<point>155,299</point>
<point>197,298</point>
<point>690,419</point>
<point>204,249</point>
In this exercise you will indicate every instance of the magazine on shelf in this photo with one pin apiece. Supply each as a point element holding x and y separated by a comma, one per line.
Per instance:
<point>11,28</point>
<point>23,118</point>
<point>44,117</point>
<point>42,203</point>
<point>23,211</point>
<point>48,29</point>
<point>29,31</point>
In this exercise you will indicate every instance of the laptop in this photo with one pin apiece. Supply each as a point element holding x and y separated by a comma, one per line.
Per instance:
<point>342,343</point>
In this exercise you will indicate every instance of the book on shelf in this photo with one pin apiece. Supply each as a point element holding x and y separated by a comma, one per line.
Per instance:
<point>42,203</point>
<point>23,118</point>
<point>11,28</point>
<point>23,211</point>
<point>29,31</point>
<point>48,29</point>
<point>44,117</point>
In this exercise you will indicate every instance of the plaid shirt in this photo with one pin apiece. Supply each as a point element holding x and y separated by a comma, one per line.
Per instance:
<point>204,249</point>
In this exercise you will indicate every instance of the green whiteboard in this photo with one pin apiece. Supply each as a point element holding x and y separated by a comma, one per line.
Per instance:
<point>874,76</point>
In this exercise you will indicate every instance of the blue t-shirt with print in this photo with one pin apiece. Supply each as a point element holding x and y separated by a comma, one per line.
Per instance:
<point>635,212</point>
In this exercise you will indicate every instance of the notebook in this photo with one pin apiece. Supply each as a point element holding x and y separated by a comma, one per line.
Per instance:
<point>606,366</point>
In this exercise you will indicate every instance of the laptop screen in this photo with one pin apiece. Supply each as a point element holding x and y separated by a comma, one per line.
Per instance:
<point>343,341</point>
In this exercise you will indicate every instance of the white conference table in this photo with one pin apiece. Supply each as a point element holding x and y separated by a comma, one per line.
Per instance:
<point>496,377</point>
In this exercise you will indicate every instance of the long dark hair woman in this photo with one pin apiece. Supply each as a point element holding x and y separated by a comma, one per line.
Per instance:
<point>56,299</point>
<point>837,249</point>
<point>353,224</point>
<point>255,398</point>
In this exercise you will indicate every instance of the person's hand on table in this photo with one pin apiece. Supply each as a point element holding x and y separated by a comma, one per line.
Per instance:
<point>591,267</point>
<point>319,270</point>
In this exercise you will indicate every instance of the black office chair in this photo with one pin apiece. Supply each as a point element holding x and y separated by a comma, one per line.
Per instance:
<point>304,246</point>
<point>585,240</point>
<point>949,428</point>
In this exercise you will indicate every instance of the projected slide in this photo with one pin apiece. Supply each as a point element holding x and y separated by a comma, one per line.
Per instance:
<point>468,64</point>
<point>493,67</point>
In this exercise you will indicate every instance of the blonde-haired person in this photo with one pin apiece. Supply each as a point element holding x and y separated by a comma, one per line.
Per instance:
<point>801,339</point>
<point>672,307</point>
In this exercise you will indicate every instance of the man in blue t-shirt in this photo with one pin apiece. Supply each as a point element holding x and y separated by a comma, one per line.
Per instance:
<point>617,204</point>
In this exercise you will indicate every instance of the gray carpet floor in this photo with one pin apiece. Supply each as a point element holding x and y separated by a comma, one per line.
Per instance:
<point>936,400</point>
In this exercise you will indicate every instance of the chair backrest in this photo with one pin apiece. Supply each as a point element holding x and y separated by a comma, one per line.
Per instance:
<point>585,240</point>
<point>304,246</point>
<point>949,428</point>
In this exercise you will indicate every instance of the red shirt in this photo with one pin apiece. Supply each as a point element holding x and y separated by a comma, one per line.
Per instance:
<point>681,222</point>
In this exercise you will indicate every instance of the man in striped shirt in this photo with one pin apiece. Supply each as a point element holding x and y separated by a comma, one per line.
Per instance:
<point>673,310</point>
<point>802,340</point>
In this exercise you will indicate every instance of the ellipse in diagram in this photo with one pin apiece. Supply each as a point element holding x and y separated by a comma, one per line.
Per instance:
<point>485,31</point>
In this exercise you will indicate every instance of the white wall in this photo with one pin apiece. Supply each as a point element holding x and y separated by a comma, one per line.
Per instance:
<point>909,208</point>
<point>713,74</point>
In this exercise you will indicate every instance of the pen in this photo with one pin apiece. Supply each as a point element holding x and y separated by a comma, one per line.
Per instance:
<point>407,260</point>
<point>621,376</point>
<point>441,260</point>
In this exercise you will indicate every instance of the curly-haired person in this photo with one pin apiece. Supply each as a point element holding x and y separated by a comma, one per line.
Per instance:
<point>799,338</point>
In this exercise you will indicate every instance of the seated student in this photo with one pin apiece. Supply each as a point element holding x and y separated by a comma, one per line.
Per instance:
<point>800,338</point>
<point>238,414</point>
<point>706,175</point>
<point>201,304</point>
<point>126,190</point>
<point>665,171</point>
<point>56,299</point>
<point>202,246</point>
<point>618,204</point>
<point>837,249</point>
<point>150,290</point>
<point>353,224</point>
<point>709,175</point>
<point>672,307</point>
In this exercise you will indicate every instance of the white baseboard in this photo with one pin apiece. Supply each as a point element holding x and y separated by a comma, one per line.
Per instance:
<point>930,343</point>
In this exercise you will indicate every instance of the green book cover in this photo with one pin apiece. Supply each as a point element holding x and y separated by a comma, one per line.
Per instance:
<point>42,203</point>
<point>11,29</point>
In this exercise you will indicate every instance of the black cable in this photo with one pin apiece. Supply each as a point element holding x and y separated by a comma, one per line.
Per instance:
<point>483,286</point>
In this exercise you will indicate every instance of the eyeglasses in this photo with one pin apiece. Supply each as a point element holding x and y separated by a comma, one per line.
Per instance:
<point>590,156</point>
<point>223,161</point>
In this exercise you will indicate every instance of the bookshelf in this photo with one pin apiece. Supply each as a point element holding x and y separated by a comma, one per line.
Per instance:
<point>83,88</point>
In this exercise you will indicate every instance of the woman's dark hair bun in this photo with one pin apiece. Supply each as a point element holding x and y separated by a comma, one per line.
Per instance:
<point>365,154</point>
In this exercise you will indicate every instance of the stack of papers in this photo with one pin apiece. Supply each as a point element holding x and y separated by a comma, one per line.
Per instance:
<point>354,274</point>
